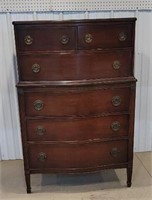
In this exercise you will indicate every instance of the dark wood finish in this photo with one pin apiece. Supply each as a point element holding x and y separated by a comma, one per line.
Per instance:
<point>27,180</point>
<point>76,94</point>
<point>131,135</point>
<point>100,83</point>
<point>77,103</point>
<point>77,156</point>
<point>45,38</point>
<point>105,36</point>
<point>75,65</point>
<point>62,129</point>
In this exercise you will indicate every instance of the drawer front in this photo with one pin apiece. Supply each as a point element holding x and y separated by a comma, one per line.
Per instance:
<point>45,38</point>
<point>77,129</point>
<point>77,156</point>
<point>105,36</point>
<point>75,66</point>
<point>76,103</point>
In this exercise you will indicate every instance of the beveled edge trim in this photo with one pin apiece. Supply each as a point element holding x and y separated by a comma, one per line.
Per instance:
<point>76,142</point>
<point>76,82</point>
<point>81,117</point>
<point>76,51</point>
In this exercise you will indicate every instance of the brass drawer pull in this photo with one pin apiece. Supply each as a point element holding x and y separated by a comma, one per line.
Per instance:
<point>122,36</point>
<point>115,126</point>
<point>114,152</point>
<point>64,39</point>
<point>28,40</point>
<point>38,105</point>
<point>42,157</point>
<point>36,68</point>
<point>116,64</point>
<point>116,101</point>
<point>40,130</point>
<point>88,38</point>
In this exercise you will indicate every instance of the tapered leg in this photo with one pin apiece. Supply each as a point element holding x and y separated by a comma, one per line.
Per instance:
<point>129,176</point>
<point>28,184</point>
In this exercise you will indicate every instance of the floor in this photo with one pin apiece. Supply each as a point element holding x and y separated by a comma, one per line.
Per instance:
<point>106,185</point>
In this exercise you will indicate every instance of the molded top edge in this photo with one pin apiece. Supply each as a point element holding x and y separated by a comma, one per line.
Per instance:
<point>38,22</point>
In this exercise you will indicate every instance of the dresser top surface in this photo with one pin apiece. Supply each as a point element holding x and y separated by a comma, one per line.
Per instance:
<point>47,22</point>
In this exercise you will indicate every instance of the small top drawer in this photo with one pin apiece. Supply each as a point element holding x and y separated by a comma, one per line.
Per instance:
<point>105,36</point>
<point>45,38</point>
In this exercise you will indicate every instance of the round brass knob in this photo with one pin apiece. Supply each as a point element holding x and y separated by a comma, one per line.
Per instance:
<point>64,39</point>
<point>116,64</point>
<point>122,36</point>
<point>40,130</point>
<point>116,101</point>
<point>114,152</point>
<point>88,38</point>
<point>38,105</point>
<point>28,40</point>
<point>42,157</point>
<point>36,68</point>
<point>115,126</point>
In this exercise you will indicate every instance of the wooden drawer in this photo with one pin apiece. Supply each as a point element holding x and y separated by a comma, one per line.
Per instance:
<point>65,156</point>
<point>105,36</point>
<point>78,102</point>
<point>78,129</point>
<point>45,38</point>
<point>75,65</point>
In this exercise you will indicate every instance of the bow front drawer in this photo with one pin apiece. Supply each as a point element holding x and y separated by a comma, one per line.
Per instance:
<point>95,128</point>
<point>68,156</point>
<point>78,102</point>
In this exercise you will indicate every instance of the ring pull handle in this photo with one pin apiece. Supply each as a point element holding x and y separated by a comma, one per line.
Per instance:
<point>38,105</point>
<point>28,40</point>
<point>115,126</point>
<point>40,130</point>
<point>116,64</point>
<point>122,36</point>
<point>42,157</point>
<point>36,68</point>
<point>114,152</point>
<point>88,38</point>
<point>64,39</point>
<point>116,101</point>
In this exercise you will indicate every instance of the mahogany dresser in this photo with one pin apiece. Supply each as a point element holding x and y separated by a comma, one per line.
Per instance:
<point>76,95</point>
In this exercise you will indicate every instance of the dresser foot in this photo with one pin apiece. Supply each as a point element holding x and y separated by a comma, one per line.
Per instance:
<point>129,176</point>
<point>128,184</point>
<point>28,190</point>
<point>28,185</point>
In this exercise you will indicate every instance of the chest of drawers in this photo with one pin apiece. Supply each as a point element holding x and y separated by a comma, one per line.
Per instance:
<point>76,94</point>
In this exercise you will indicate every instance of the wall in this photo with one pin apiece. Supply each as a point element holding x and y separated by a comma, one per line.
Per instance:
<point>10,141</point>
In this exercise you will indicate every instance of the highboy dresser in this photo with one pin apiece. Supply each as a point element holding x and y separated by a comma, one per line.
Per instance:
<point>76,95</point>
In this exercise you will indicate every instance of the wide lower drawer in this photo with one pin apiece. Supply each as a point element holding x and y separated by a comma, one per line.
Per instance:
<point>77,156</point>
<point>78,102</point>
<point>93,128</point>
<point>76,65</point>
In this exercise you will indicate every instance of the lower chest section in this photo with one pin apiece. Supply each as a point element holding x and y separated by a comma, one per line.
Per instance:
<point>76,129</point>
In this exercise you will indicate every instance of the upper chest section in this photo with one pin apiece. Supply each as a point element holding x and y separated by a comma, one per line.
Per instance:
<point>74,35</point>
